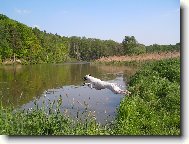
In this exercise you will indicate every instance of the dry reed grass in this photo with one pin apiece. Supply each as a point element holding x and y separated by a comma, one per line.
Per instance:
<point>141,57</point>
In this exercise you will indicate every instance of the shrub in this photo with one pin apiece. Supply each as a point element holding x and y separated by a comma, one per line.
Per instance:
<point>154,107</point>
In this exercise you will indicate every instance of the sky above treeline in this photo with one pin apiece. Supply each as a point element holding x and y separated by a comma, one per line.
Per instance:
<point>150,21</point>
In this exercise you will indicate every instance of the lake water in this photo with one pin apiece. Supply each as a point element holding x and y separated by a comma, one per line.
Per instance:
<point>22,85</point>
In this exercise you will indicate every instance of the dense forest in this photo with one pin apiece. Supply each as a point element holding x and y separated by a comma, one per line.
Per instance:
<point>31,45</point>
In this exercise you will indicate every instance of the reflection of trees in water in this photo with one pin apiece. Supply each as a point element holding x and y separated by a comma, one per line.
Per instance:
<point>12,68</point>
<point>80,70</point>
<point>19,85</point>
<point>113,70</point>
<point>8,82</point>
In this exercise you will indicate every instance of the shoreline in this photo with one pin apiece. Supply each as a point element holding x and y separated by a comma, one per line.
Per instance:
<point>139,58</point>
<point>111,59</point>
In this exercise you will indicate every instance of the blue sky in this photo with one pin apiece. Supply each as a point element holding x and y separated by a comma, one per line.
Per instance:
<point>150,21</point>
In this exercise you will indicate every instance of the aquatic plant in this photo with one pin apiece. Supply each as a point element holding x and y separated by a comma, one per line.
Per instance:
<point>39,121</point>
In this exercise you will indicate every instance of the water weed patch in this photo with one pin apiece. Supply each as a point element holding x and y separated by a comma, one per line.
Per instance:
<point>39,122</point>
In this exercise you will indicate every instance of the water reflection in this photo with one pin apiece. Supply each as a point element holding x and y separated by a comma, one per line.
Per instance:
<point>77,100</point>
<point>20,85</point>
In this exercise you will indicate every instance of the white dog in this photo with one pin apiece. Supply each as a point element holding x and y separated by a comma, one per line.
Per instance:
<point>99,84</point>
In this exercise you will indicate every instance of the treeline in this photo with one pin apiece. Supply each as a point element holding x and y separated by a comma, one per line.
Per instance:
<point>87,49</point>
<point>131,46</point>
<point>30,45</point>
<point>162,48</point>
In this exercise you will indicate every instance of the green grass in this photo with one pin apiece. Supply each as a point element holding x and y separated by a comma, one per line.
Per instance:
<point>152,109</point>
<point>154,106</point>
<point>39,121</point>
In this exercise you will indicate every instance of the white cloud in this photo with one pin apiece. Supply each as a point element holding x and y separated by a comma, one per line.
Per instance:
<point>22,11</point>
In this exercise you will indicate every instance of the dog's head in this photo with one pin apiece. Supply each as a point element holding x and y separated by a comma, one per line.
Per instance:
<point>86,77</point>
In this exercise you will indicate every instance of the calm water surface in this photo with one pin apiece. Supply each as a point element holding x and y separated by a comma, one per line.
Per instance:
<point>21,85</point>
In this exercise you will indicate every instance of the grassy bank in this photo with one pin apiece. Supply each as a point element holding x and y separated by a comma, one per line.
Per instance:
<point>152,109</point>
<point>154,106</point>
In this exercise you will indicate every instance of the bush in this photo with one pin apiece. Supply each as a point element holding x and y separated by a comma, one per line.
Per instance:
<point>154,107</point>
<point>140,49</point>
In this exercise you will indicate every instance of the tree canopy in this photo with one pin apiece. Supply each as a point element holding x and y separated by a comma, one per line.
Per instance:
<point>32,45</point>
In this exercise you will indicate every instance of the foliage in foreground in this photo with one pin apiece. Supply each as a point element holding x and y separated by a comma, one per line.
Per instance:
<point>39,122</point>
<point>154,107</point>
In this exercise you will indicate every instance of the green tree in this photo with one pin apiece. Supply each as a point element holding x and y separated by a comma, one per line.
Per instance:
<point>139,49</point>
<point>128,44</point>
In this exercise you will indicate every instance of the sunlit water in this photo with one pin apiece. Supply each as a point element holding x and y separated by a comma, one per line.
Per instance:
<point>21,86</point>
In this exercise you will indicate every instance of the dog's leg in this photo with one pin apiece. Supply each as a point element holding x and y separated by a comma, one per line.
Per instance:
<point>88,84</point>
<point>91,85</point>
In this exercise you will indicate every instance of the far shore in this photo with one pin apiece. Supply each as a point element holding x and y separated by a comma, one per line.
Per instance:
<point>141,57</point>
<point>126,58</point>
